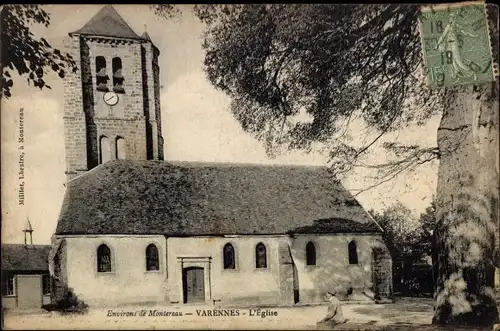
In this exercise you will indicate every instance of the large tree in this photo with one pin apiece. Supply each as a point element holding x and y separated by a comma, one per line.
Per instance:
<point>409,239</point>
<point>298,75</point>
<point>403,231</point>
<point>403,235</point>
<point>428,239</point>
<point>23,52</point>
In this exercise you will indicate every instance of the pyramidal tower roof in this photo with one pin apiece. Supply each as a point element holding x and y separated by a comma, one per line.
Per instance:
<point>146,36</point>
<point>107,22</point>
<point>27,226</point>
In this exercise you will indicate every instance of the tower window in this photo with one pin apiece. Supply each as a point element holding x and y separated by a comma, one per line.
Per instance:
<point>260,256</point>
<point>117,75</point>
<point>103,259</point>
<point>152,258</point>
<point>353,253</point>
<point>229,260</point>
<point>310,253</point>
<point>104,154</point>
<point>101,74</point>
<point>120,148</point>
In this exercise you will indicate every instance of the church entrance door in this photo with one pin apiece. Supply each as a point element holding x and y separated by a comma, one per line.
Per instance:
<point>193,282</point>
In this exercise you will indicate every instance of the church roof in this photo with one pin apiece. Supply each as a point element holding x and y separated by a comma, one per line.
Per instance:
<point>16,257</point>
<point>180,198</point>
<point>107,22</point>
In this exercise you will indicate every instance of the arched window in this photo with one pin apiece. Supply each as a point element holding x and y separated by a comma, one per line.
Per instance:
<point>105,152</point>
<point>117,75</point>
<point>120,148</point>
<point>353,253</point>
<point>260,256</point>
<point>152,258</point>
<point>310,253</point>
<point>101,74</point>
<point>229,257</point>
<point>103,259</point>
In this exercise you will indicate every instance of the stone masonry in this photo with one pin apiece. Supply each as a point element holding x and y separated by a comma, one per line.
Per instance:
<point>382,272</point>
<point>136,118</point>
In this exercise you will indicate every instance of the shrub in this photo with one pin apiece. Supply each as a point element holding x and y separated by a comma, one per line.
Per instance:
<point>68,303</point>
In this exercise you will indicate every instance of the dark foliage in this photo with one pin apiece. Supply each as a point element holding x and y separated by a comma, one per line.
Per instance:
<point>297,74</point>
<point>24,53</point>
<point>165,10</point>
<point>68,304</point>
<point>410,242</point>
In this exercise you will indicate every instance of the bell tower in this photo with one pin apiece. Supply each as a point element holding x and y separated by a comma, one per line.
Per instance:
<point>112,101</point>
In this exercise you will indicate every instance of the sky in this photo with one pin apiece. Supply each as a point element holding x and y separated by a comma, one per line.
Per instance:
<point>196,124</point>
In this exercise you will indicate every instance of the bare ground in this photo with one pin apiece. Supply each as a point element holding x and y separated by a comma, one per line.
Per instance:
<point>402,315</point>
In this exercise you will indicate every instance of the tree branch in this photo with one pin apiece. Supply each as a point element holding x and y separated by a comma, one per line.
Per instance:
<point>455,129</point>
<point>388,171</point>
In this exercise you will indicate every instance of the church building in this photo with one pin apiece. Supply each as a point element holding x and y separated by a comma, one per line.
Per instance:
<point>136,229</point>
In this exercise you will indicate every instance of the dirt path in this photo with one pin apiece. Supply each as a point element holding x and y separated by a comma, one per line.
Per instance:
<point>360,317</point>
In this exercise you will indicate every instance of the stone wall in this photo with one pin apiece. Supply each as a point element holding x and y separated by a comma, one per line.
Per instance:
<point>149,100</point>
<point>132,131</point>
<point>128,282</point>
<point>60,276</point>
<point>382,272</point>
<point>74,116</point>
<point>286,275</point>
<point>286,280</point>
<point>243,285</point>
<point>86,115</point>
<point>333,270</point>
<point>157,87</point>
<point>125,119</point>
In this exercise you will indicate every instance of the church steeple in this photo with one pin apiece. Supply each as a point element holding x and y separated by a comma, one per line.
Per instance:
<point>107,22</point>
<point>28,229</point>
<point>112,103</point>
<point>145,34</point>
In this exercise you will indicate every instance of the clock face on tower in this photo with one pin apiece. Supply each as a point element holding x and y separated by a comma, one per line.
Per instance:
<point>110,98</point>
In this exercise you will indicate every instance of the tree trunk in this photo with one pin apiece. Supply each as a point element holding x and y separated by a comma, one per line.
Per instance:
<point>435,266</point>
<point>467,206</point>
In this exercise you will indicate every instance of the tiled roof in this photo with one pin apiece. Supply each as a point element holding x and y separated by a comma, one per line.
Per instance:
<point>16,257</point>
<point>107,22</point>
<point>178,198</point>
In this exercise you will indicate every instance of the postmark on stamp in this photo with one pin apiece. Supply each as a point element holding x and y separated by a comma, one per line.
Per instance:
<point>456,45</point>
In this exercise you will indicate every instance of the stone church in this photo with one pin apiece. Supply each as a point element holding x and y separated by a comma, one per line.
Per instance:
<point>135,229</point>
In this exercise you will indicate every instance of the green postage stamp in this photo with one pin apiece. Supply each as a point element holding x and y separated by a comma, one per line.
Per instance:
<point>456,44</point>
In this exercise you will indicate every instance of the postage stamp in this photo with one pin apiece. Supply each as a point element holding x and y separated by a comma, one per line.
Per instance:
<point>456,44</point>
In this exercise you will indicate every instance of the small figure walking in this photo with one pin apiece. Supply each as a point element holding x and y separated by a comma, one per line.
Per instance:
<point>334,314</point>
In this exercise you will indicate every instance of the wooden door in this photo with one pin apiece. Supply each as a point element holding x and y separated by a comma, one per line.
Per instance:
<point>29,291</point>
<point>193,280</point>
